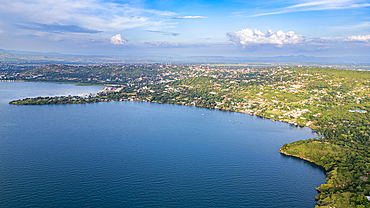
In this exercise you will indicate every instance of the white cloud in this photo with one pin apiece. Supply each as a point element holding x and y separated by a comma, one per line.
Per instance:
<point>317,41</point>
<point>163,43</point>
<point>318,6</point>
<point>359,38</point>
<point>246,37</point>
<point>189,17</point>
<point>118,40</point>
<point>92,14</point>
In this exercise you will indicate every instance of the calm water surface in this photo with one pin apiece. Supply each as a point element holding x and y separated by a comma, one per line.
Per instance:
<point>133,154</point>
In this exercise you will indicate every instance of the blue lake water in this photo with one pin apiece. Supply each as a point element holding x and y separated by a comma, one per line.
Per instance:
<point>133,154</point>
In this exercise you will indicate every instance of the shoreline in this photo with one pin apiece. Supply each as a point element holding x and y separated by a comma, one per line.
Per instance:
<point>220,109</point>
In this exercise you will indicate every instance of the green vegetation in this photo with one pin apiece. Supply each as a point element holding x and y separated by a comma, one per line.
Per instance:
<point>335,103</point>
<point>347,171</point>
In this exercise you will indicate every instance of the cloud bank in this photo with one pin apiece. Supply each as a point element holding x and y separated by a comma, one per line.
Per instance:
<point>162,43</point>
<point>118,40</point>
<point>189,17</point>
<point>359,38</point>
<point>164,33</point>
<point>247,37</point>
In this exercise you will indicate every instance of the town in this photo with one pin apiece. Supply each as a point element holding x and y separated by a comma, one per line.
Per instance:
<point>282,93</point>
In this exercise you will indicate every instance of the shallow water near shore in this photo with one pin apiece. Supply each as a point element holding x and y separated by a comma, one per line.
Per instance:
<point>134,154</point>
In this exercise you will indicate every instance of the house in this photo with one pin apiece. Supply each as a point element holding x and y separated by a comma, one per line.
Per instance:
<point>357,111</point>
<point>361,111</point>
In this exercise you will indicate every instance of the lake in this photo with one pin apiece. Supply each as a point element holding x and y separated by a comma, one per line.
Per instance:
<point>135,154</point>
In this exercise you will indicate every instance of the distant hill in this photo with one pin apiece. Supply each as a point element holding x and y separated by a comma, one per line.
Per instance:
<point>154,58</point>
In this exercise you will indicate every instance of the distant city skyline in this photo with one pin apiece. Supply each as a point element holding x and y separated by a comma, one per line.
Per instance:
<point>323,28</point>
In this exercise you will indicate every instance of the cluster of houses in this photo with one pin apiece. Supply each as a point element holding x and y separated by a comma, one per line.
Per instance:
<point>108,90</point>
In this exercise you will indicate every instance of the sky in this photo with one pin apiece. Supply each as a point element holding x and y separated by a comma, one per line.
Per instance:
<point>241,28</point>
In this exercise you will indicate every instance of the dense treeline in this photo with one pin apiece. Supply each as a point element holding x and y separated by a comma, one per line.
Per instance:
<point>344,152</point>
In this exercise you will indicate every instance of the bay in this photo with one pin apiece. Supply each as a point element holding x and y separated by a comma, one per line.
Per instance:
<point>134,154</point>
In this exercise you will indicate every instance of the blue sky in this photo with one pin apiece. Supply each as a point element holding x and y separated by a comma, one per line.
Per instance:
<point>195,27</point>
